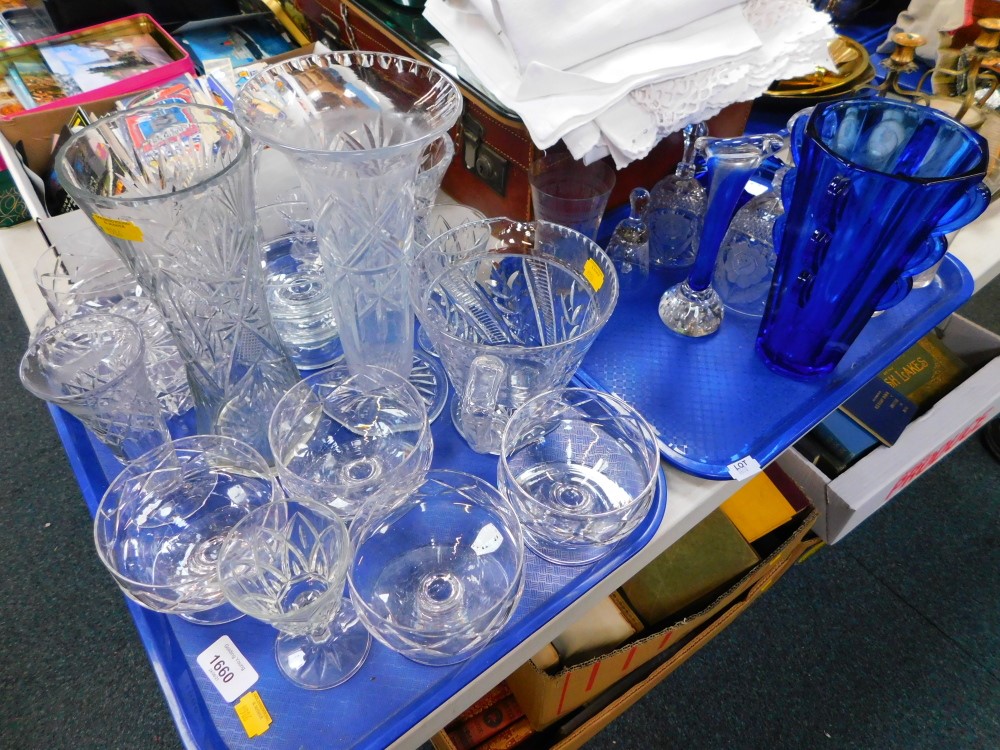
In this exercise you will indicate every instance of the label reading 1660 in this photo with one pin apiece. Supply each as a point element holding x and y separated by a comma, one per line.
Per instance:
<point>227,668</point>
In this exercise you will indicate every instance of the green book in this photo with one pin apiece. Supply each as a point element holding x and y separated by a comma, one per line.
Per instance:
<point>697,566</point>
<point>925,372</point>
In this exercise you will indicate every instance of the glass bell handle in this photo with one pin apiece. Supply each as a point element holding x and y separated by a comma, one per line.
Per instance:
<point>638,204</point>
<point>731,162</point>
<point>692,134</point>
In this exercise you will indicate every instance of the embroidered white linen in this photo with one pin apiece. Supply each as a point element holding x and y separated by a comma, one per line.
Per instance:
<point>626,99</point>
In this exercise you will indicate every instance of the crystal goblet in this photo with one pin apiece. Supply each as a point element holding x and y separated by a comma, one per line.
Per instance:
<point>343,440</point>
<point>162,521</point>
<point>437,574</point>
<point>580,468</point>
<point>93,366</point>
<point>285,564</point>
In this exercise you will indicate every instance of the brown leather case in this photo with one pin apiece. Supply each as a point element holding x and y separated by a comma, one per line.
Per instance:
<point>493,150</point>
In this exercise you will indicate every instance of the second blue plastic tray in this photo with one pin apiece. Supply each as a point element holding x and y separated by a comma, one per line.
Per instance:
<point>713,401</point>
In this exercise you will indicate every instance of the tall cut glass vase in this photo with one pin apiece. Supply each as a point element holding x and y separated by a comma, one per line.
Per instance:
<point>171,189</point>
<point>355,125</point>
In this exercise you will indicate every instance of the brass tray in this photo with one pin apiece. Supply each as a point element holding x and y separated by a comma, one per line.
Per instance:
<point>854,70</point>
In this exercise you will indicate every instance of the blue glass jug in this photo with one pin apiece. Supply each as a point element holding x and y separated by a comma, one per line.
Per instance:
<point>874,179</point>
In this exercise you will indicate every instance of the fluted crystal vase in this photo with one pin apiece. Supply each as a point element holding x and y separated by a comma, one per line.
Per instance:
<point>170,187</point>
<point>355,125</point>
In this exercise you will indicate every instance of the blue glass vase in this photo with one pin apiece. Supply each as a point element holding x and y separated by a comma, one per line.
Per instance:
<point>874,179</point>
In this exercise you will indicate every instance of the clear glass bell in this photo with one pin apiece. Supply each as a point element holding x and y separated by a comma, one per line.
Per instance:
<point>746,260</point>
<point>628,247</point>
<point>677,209</point>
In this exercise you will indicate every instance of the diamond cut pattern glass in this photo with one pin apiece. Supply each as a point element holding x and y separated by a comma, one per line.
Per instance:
<point>286,564</point>
<point>170,187</point>
<point>355,125</point>
<point>93,366</point>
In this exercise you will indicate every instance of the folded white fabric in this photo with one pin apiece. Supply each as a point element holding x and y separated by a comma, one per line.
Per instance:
<point>624,101</point>
<point>552,102</point>
<point>795,40</point>
<point>560,34</point>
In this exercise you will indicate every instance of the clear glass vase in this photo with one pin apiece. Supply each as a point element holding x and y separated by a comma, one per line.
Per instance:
<point>170,188</point>
<point>355,124</point>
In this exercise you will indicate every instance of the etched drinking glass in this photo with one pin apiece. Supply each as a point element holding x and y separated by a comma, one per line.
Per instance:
<point>285,564</point>
<point>438,574</point>
<point>344,440</point>
<point>355,125</point>
<point>94,367</point>
<point>161,523</point>
<point>170,188</point>
<point>580,468</point>
<point>568,192</point>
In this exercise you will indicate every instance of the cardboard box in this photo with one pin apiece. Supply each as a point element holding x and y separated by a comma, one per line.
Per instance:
<point>574,731</point>
<point>547,697</point>
<point>849,499</point>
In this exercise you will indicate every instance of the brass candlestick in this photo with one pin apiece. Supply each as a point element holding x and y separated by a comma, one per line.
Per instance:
<point>902,60</point>
<point>975,74</point>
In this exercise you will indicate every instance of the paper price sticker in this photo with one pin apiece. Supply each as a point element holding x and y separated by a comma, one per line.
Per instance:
<point>593,273</point>
<point>122,230</point>
<point>253,714</point>
<point>227,668</point>
<point>744,468</point>
<point>488,540</point>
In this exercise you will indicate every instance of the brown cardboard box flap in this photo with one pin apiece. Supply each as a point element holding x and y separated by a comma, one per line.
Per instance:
<point>545,697</point>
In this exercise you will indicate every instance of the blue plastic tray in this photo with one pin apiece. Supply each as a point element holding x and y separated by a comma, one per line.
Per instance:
<point>713,401</point>
<point>390,694</point>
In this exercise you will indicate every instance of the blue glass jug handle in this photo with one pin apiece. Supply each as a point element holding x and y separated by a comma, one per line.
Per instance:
<point>929,253</point>
<point>797,128</point>
<point>967,208</point>
<point>895,293</point>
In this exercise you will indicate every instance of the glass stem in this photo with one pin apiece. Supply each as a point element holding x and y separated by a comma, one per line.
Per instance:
<point>321,634</point>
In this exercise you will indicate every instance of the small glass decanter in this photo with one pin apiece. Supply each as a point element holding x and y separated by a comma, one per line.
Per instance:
<point>746,259</point>
<point>628,247</point>
<point>677,208</point>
